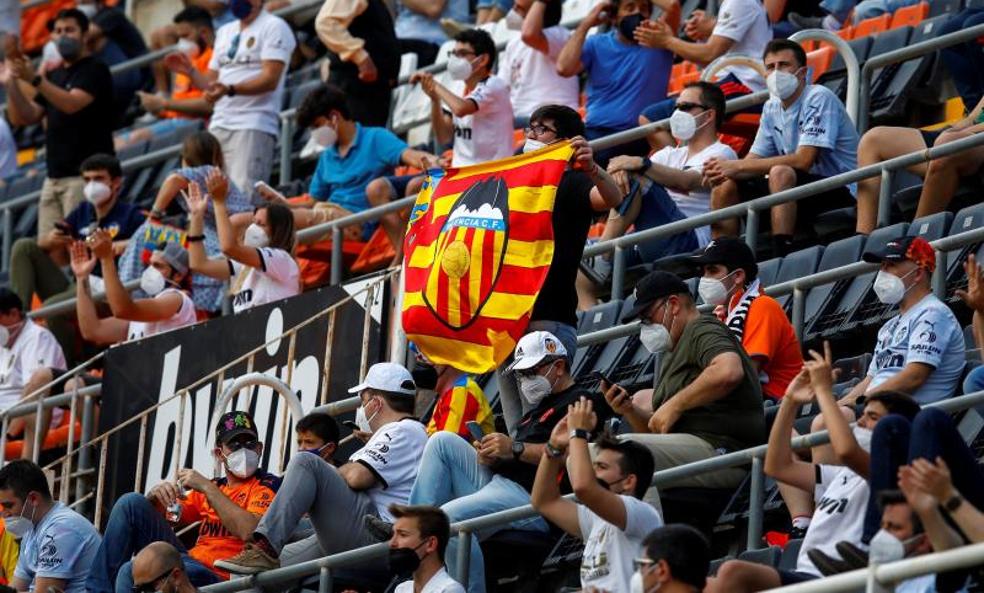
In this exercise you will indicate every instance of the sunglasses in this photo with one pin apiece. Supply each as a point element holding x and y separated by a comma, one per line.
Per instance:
<point>237,445</point>
<point>151,585</point>
<point>690,106</point>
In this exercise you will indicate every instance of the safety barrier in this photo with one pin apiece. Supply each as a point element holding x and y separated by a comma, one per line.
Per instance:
<point>218,376</point>
<point>323,567</point>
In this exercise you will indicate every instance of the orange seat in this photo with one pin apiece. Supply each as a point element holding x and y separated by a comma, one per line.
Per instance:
<point>676,84</point>
<point>819,60</point>
<point>810,45</point>
<point>873,25</point>
<point>847,33</point>
<point>910,15</point>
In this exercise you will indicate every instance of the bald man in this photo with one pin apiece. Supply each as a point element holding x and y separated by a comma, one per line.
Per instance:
<point>159,567</point>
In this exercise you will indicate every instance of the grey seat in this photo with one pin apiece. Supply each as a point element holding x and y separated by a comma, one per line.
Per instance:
<point>767,556</point>
<point>971,217</point>
<point>598,317</point>
<point>796,265</point>
<point>790,554</point>
<point>891,91</point>
<point>820,298</point>
<point>768,270</point>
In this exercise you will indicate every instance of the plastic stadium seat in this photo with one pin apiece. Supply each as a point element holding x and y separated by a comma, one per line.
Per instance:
<point>858,297</point>
<point>790,554</point>
<point>941,7</point>
<point>131,151</point>
<point>796,265</point>
<point>297,95</point>
<point>971,217</point>
<point>891,91</point>
<point>27,223</point>
<point>873,25</point>
<point>932,227</point>
<point>712,570</point>
<point>846,33</point>
<point>835,78</point>
<point>819,60</point>
<point>676,85</point>
<point>768,270</point>
<point>910,15</point>
<point>823,297</point>
<point>767,556</point>
<point>598,317</point>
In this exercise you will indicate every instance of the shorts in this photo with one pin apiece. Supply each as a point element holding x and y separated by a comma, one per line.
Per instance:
<point>399,184</point>
<point>929,137</point>
<point>791,577</point>
<point>807,208</point>
<point>62,378</point>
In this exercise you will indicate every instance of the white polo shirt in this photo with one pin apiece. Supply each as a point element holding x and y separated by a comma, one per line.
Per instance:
<point>35,348</point>
<point>393,455</point>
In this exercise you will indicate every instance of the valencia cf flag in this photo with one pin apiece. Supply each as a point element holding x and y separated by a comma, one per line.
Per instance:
<point>477,249</point>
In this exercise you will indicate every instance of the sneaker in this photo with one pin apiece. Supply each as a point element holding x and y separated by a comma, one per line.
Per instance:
<point>250,561</point>
<point>854,556</point>
<point>380,529</point>
<point>806,22</point>
<point>797,532</point>
<point>827,565</point>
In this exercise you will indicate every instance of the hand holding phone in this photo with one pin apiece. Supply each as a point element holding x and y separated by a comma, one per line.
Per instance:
<point>475,429</point>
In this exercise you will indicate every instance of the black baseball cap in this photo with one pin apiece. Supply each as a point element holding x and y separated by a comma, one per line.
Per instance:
<point>653,287</point>
<point>233,424</point>
<point>730,252</point>
<point>914,248</point>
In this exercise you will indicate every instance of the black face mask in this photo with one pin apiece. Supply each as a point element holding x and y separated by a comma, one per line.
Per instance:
<point>69,48</point>
<point>425,376</point>
<point>628,25</point>
<point>606,485</point>
<point>403,561</point>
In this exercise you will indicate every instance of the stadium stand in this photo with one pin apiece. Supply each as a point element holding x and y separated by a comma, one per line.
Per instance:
<point>822,286</point>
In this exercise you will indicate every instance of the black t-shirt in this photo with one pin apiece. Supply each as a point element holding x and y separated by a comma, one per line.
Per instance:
<point>117,27</point>
<point>536,425</point>
<point>572,216</point>
<point>72,138</point>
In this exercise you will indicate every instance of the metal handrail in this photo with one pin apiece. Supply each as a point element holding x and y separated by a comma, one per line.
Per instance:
<point>850,62</point>
<point>465,529</point>
<point>68,305</point>
<point>892,573</point>
<point>904,54</point>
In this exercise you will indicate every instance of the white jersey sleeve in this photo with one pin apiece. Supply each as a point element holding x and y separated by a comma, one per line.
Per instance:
<point>735,18</point>
<point>391,453</point>
<point>929,336</point>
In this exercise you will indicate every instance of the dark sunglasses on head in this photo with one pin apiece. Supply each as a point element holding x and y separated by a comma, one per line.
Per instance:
<point>151,585</point>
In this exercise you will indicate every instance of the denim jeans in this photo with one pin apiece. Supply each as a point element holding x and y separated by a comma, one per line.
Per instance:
<point>133,524</point>
<point>974,381</point>
<point>964,59</point>
<point>451,477</point>
<point>657,208</point>
<point>931,434</point>
<point>867,9</point>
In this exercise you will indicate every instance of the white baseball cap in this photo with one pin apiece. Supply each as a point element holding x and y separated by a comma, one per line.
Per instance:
<point>389,377</point>
<point>533,348</point>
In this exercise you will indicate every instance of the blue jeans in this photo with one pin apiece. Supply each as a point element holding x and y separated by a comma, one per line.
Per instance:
<point>964,60</point>
<point>133,524</point>
<point>450,476</point>
<point>974,381</point>
<point>657,208</point>
<point>931,434</point>
<point>867,9</point>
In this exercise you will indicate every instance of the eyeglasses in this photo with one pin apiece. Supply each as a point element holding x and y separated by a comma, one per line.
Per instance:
<point>237,445</point>
<point>233,47</point>
<point>460,53</point>
<point>539,129</point>
<point>640,563</point>
<point>150,586</point>
<point>690,106</point>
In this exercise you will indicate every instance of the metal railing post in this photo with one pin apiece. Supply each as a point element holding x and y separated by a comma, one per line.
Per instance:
<point>852,104</point>
<point>752,228</point>
<point>324,580</point>
<point>337,261</point>
<point>885,198</point>
<point>799,312</point>
<point>286,144</point>
<point>939,275</point>
<point>463,560</point>
<point>755,500</point>
<point>85,449</point>
<point>618,272</point>
<point>8,234</point>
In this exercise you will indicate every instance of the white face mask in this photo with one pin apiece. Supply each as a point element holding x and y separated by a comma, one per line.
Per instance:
<point>89,10</point>
<point>655,337</point>
<point>885,547</point>
<point>459,68</point>
<point>243,463</point>
<point>4,336</point>
<point>782,84</point>
<point>889,288</point>
<point>97,192</point>
<point>189,48</point>
<point>152,281</point>
<point>20,525</point>
<point>535,387</point>
<point>324,136</point>
<point>532,145</point>
<point>514,20</point>
<point>713,291</point>
<point>255,236</point>
<point>683,125</point>
<point>636,585</point>
<point>862,436</point>
<point>362,421</point>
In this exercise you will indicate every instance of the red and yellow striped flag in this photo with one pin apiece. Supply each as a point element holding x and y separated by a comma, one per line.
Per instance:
<point>478,247</point>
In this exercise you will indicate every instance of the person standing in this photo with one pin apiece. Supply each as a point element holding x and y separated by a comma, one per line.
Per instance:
<point>245,85</point>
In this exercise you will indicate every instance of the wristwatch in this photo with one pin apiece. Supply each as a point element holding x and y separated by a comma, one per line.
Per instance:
<point>646,163</point>
<point>517,449</point>
<point>953,503</point>
<point>36,81</point>
<point>231,91</point>
<point>579,433</point>
<point>553,452</point>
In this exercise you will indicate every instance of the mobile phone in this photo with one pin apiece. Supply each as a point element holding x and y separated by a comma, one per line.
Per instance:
<point>475,429</point>
<point>603,377</point>
<point>266,187</point>
<point>350,424</point>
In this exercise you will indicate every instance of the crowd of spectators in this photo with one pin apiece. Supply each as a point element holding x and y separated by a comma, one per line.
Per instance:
<point>880,491</point>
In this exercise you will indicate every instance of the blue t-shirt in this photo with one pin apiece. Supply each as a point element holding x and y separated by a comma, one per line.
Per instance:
<point>62,546</point>
<point>927,333</point>
<point>817,118</point>
<point>414,25</point>
<point>343,180</point>
<point>121,221</point>
<point>623,78</point>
